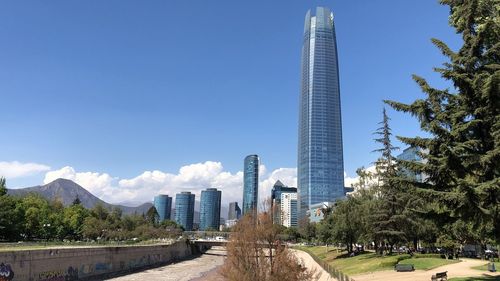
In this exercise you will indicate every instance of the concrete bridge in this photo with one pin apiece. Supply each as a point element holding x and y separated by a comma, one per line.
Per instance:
<point>209,243</point>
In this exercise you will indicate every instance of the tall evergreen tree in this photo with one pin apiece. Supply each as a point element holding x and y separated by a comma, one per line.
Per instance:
<point>462,154</point>
<point>388,221</point>
<point>3,187</point>
<point>152,216</point>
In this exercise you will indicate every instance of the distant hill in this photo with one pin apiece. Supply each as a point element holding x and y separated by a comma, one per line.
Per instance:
<point>67,191</point>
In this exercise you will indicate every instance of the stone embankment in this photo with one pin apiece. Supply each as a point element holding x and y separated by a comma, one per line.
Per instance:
<point>88,263</point>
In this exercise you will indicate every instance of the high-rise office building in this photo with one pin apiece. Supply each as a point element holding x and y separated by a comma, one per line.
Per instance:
<point>210,209</point>
<point>276,191</point>
<point>288,209</point>
<point>163,205</point>
<point>320,157</point>
<point>251,184</point>
<point>411,154</point>
<point>234,212</point>
<point>184,210</point>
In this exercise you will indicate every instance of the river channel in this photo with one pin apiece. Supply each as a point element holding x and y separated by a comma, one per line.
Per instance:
<point>203,267</point>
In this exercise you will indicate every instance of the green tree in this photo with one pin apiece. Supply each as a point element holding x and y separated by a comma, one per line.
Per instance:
<point>74,217</point>
<point>346,222</point>
<point>11,218</point>
<point>152,216</point>
<point>462,153</point>
<point>307,230</point>
<point>99,212</point>
<point>94,228</point>
<point>389,219</point>
<point>3,186</point>
<point>37,222</point>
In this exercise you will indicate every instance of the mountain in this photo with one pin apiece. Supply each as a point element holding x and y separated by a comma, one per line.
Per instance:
<point>67,190</point>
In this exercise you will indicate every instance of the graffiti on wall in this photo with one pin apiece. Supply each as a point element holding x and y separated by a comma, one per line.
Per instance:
<point>101,266</point>
<point>85,270</point>
<point>51,275</point>
<point>6,272</point>
<point>135,263</point>
<point>71,274</point>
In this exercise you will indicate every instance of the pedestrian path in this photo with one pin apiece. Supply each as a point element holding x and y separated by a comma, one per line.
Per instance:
<point>310,263</point>
<point>460,269</point>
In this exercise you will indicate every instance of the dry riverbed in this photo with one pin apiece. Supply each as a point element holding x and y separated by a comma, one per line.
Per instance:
<point>204,267</point>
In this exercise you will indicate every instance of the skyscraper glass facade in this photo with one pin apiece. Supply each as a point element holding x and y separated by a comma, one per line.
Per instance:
<point>320,157</point>
<point>184,210</point>
<point>210,209</point>
<point>163,205</point>
<point>250,184</point>
<point>276,191</point>
<point>234,212</point>
<point>411,154</point>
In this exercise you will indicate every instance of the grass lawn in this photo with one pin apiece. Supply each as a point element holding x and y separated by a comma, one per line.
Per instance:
<point>427,263</point>
<point>491,278</point>
<point>484,267</point>
<point>370,262</point>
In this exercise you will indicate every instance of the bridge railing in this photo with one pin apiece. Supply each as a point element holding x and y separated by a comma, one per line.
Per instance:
<point>206,234</point>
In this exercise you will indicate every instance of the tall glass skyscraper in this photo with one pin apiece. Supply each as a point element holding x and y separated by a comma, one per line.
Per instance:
<point>250,184</point>
<point>184,210</point>
<point>163,205</point>
<point>320,156</point>
<point>210,209</point>
<point>234,212</point>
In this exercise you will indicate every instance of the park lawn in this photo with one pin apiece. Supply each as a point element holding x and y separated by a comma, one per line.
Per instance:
<point>362,263</point>
<point>427,263</point>
<point>371,262</point>
<point>484,267</point>
<point>480,278</point>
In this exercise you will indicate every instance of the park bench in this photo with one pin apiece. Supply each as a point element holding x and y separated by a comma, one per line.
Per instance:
<point>441,276</point>
<point>404,267</point>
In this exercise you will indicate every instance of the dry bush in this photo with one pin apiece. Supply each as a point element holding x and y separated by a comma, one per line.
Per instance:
<point>255,253</point>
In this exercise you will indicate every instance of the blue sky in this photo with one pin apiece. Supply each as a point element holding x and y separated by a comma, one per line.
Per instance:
<point>123,87</point>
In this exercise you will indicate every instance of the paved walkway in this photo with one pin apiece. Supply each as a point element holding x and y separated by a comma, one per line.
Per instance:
<point>461,269</point>
<point>310,263</point>
<point>181,271</point>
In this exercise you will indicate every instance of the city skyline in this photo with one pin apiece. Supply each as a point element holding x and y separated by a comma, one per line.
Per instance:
<point>81,117</point>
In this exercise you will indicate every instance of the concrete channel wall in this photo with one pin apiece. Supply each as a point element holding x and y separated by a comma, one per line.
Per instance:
<point>88,263</point>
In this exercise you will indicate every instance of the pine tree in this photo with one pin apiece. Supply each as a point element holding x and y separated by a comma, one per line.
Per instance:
<point>462,154</point>
<point>3,187</point>
<point>388,221</point>
<point>152,216</point>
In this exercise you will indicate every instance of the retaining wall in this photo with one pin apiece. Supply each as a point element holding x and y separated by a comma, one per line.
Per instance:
<point>89,263</point>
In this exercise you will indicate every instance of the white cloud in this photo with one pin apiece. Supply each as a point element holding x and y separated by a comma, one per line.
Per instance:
<point>194,178</point>
<point>17,169</point>
<point>96,183</point>
<point>348,181</point>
